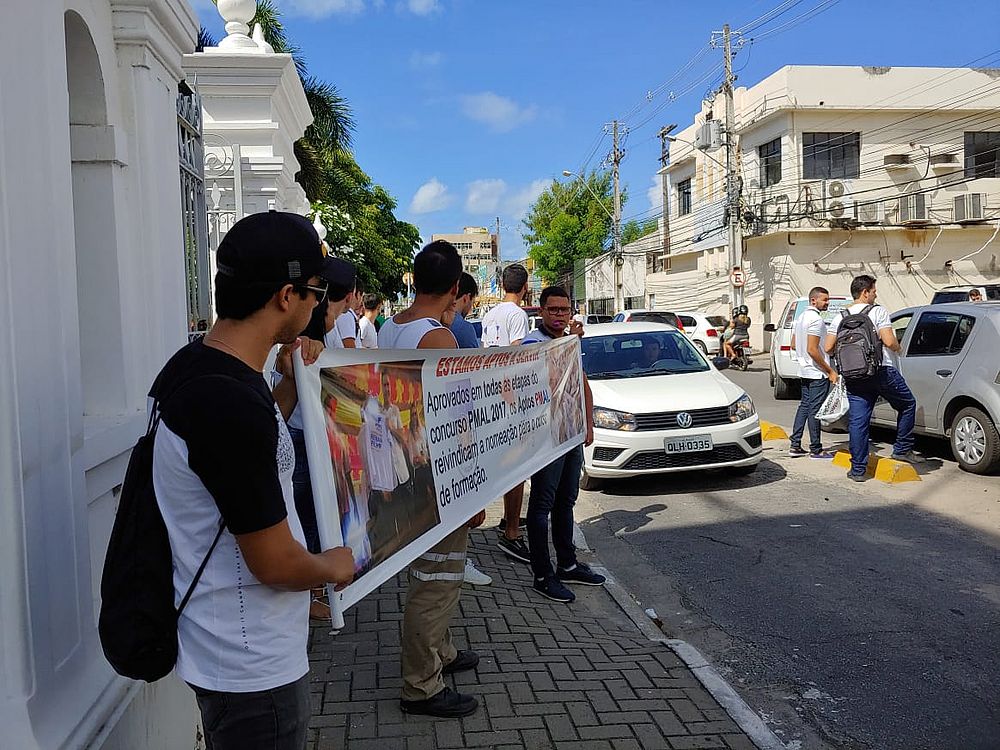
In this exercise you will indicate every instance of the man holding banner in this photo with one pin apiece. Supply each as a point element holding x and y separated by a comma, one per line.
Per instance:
<point>436,576</point>
<point>554,489</point>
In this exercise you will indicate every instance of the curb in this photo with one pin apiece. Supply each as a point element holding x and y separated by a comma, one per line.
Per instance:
<point>744,716</point>
<point>887,470</point>
<point>770,431</point>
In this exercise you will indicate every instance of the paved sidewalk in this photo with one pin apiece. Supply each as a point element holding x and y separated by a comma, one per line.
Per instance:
<point>551,675</point>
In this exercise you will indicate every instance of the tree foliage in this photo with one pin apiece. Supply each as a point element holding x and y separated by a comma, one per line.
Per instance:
<point>634,229</point>
<point>379,244</point>
<point>568,221</point>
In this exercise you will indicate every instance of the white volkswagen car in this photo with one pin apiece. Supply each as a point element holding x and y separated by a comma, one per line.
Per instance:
<point>660,405</point>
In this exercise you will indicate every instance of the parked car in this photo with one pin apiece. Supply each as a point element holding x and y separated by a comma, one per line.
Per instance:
<point>660,405</point>
<point>592,319</point>
<point>649,316</point>
<point>949,359</point>
<point>961,293</point>
<point>784,366</point>
<point>705,331</point>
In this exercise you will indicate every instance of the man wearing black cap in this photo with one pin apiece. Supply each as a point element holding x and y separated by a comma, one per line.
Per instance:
<point>223,459</point>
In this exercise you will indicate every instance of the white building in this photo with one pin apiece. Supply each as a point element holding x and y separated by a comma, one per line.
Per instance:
<point>846,170</point>
<point>594,279</point>
<point>93,243</point>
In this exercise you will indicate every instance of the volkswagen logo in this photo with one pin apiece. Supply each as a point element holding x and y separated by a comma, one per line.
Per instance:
<point>684,420</point>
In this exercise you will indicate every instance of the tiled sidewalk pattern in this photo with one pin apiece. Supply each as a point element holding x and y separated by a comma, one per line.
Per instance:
<point>551,675</point>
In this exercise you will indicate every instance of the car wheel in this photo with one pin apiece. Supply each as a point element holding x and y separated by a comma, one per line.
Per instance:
<point>784,389</point>
<point>701,347</point>
<point>588,482</point>
<point>743,471</point>
<point>975,442</point>
<point>771,374</point>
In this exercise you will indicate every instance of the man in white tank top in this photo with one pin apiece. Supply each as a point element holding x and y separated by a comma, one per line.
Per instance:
<point>435,577</point>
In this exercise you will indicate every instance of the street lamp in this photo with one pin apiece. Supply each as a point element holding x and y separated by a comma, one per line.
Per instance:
<point>616,235</point>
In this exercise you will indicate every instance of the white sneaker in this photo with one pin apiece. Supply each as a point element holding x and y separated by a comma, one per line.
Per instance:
<point>475,576</point>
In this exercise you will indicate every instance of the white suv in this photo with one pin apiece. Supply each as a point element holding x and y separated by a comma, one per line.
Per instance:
<point>784,366</point>
<point>704,331</point>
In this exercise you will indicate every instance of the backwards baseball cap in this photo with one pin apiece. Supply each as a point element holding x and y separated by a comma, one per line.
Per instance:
<point>276,246</point>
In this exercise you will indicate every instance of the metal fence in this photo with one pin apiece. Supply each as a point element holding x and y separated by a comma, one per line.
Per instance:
<point>191,156</point>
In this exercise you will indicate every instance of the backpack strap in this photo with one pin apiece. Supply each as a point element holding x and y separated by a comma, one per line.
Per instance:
<point>868,309</point>
<point>201,568</point>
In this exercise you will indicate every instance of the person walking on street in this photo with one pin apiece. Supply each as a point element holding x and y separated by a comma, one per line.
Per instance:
<point>554,489</point>
<point>815,374</point>
<point>222,469</point>
<point>435,580</point>
<point>865,349</point>
<point>506,325</point>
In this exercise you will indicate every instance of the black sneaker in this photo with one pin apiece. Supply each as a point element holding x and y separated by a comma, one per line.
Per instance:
<point>857,477</point>
<point>797,452</point>
<point>910,457</point>
<point>515,548</point>
<point>447,705</point>
<point>463,661</point>
<point>522,523</point>
<point>581,574</point>
<point>553,589</point>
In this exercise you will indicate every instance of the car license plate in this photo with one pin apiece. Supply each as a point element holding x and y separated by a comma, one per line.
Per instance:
<point>689,444</point>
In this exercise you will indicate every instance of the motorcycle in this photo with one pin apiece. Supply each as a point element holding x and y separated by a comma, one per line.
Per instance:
<point>742,359</point>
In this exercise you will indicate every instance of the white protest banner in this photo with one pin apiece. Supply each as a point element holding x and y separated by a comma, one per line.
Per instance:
<point>405,446</point>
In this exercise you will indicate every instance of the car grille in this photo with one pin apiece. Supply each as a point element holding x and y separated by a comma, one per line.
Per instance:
<point>753,440</point>
<point>604,453</point>
<point>661,460</point>
<point>667,420</point>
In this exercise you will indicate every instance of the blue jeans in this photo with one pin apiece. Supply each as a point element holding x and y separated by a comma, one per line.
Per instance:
<point>813,394</point>
<point>303,491</point>
<point>276,719</point>
<point>553,493</point>
<point>862,395</point>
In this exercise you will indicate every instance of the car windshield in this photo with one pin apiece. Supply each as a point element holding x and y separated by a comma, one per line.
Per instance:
<point>631,355</point>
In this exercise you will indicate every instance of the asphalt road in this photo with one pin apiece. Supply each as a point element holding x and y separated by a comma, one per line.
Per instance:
<point>849,616</point>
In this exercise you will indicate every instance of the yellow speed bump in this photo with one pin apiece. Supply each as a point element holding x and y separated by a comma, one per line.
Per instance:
<point>884,469</point>
<point>769,431</point>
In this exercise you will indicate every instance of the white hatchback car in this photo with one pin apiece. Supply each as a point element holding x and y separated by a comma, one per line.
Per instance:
<point>705,331</point>
<point>784,367</point>
<point>660,405</point>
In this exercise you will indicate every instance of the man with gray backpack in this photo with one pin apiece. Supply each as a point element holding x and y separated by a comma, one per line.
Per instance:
<point>864,345</point>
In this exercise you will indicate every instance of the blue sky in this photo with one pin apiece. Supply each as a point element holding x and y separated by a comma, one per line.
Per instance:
<point>466,109</point>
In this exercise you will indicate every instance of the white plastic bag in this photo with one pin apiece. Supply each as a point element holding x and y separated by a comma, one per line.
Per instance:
<point>835,405</point>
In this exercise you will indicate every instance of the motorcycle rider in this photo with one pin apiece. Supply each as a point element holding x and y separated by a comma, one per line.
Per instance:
<point>740,325</point>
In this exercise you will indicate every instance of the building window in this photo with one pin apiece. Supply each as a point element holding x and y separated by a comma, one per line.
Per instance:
<point>684,197</point>
<point>831,156</point>
<point>770,163</point>
<point>981,151</point>
<point>633,303</point>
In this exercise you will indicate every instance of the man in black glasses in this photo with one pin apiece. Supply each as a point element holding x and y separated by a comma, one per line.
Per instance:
<point>223,456</point>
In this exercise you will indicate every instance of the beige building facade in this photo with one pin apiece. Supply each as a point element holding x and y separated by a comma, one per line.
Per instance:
<point>894,172</point>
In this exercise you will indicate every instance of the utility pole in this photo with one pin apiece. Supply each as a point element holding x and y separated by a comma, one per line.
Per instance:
<point>496,248</point>
<point>735,238</point>
<point>617,258</point>
<point>664,161</point>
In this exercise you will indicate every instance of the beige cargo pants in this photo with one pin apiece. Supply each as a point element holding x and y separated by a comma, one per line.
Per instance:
<point>434,587</point>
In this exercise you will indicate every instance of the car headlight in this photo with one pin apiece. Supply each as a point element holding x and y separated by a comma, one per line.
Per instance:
<point>609,419</point>
<point>741,408</point>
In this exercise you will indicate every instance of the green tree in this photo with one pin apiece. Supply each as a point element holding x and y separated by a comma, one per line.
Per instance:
<point>633,230</point>
<point>568,221</point>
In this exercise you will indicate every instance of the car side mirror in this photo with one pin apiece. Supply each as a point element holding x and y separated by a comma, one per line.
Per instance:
<point>770,328</point>
<point>721,363</point>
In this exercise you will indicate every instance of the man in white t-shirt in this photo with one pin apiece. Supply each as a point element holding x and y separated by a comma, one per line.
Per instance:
<point>367,332</point>
<point>887,382</point>
<point>346,329</point>
<point>506,325</point>
<point>815,374</point>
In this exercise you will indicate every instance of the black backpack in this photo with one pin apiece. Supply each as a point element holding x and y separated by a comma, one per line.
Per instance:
<point>138,620</point>
<point>858,348</point>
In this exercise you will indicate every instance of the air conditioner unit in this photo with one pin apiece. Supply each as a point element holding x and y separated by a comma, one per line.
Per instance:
<point>970,207</point>
<point>913,209</point>
<point>835,203</point>
<point>869,212</point>
<point>837,189</point>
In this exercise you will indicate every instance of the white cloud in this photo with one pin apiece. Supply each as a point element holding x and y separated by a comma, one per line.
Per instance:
<point>499,113</point>
<point>423,7</point>
<point>323,8</point>
<point>424,60</point>
<point>484,196</point>
<point>517,205</point>
<point>431,196</point>
<point>655,194</point>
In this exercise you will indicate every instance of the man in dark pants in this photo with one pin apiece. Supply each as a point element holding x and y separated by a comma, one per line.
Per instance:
<point>554,489</point>
<point>887,382</point>
<point>815,374</point>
